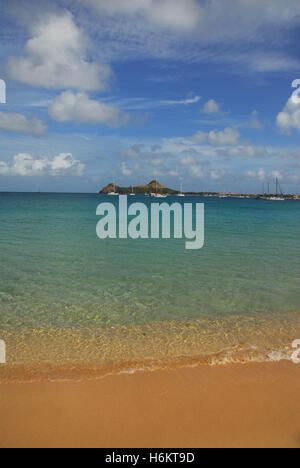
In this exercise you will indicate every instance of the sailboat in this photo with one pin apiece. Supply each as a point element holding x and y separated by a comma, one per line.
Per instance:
<point>181,194</point>
<point>132,192</point>
<point>113,192</point>
<point>278,197</point>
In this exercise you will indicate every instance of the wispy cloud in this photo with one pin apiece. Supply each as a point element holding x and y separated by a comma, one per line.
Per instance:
<point>142,103</point>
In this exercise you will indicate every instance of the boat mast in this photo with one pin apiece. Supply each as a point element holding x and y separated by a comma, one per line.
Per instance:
<point>278,187</point>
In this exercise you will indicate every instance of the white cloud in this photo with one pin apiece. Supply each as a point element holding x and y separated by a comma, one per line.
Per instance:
<point>133,152</point>
<point>229,136</point>
<point>214,19</point>
<point>248,151</point>
<point>24,165</point>
<point>289,118</point>
<point>260,174</point>
<point>125,171</point>
<point>212,107</point>
<point>254,122</point>
<point>276,175</point>
<point>80,108</point>
<point>196,170</point>
<point>55,57</point>
<point>173,173</point>
<point>199,137</point>
<point>147,103</point>
<point>157,162</point>
<point>184,102</point>
<point>191,30</point>
<point>217,174</point>
<point>188,160</point>
<point>173,14</point>
<point>20,124</point>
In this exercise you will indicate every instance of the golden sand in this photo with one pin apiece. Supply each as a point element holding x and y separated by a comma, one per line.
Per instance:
<point>253,405</point>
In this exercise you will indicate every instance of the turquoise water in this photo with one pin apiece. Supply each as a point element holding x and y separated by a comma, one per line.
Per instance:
<point>56,274</point>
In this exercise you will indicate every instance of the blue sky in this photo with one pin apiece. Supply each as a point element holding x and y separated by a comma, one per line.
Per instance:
<point>197,91</point>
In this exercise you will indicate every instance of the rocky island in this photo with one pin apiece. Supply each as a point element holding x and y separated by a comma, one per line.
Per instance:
<point>153,186</point>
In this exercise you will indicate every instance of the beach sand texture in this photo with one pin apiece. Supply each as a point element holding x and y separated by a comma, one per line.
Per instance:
<point>252,405</point>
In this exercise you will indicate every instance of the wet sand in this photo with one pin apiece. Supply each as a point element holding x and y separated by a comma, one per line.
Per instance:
<point>253,405</point>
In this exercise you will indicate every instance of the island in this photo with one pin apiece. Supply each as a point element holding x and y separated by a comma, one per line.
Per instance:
<point>152,187</point>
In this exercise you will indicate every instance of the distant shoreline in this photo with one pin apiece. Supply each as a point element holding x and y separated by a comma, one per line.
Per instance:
<point>173,193</point>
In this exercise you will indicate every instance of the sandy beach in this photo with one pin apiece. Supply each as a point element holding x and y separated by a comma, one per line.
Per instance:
<point>253,405</point>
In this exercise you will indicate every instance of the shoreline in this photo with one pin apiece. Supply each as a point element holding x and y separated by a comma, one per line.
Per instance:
<point>75,353</point>
<point>13,375</point>
<point>250,405</point>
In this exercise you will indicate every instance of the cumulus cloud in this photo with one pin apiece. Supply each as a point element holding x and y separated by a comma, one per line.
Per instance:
<point>229,136</point>
<point>20,124</point>
<point>55,57</point>
<point>24,165</point>
<point>125,170</point>
<point>254,122</point>
<point>262,175</point>
<point>212,107</point>
<point>78,107</point>
<point>246,150</point>
<point>199,137</point>
<point>196,170</point>
<point>289,118</point>
<point>188,160</point>
<point>259,174</point>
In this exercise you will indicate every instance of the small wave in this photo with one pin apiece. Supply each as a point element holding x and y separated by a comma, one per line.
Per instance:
<point>238,356</point>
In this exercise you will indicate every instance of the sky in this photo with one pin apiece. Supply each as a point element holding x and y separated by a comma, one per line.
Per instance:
<point>197,92</point>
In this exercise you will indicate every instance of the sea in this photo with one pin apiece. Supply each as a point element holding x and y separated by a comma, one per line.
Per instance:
<point>73,306</point>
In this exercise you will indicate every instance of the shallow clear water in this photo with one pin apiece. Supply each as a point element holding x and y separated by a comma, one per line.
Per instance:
<point>55,274</point>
